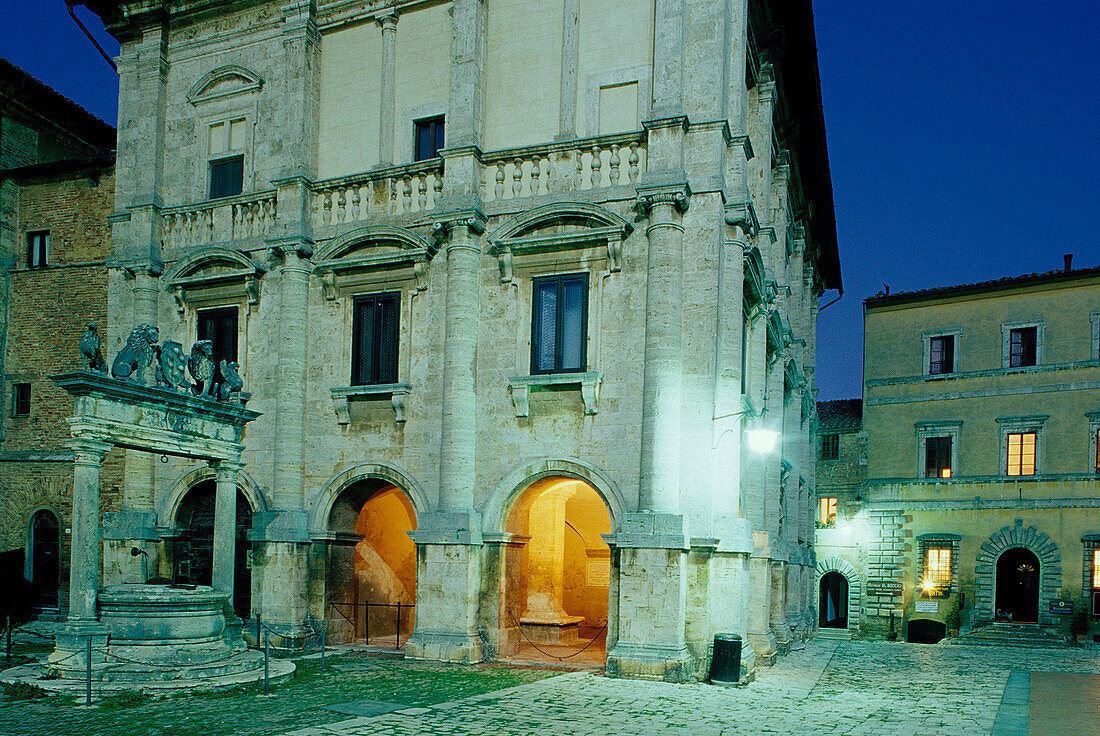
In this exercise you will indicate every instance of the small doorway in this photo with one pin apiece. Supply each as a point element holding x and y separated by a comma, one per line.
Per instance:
<point>834,601</point>
<point>194,550</point>
<point>44,559</point>
<point>1017,595</point>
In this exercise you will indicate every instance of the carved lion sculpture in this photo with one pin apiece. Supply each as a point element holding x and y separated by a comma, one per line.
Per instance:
<point>137,354</point>
<point>230,390</point>
<point>201,367</point>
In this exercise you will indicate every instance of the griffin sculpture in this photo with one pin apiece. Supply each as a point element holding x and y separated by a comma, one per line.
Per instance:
<point>89,348</point>
<point>201,367</point>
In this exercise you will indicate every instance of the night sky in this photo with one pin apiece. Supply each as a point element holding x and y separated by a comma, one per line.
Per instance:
<point>964,139</point>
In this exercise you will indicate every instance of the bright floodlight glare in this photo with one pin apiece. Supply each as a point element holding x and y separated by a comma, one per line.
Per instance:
<point>761,441</point>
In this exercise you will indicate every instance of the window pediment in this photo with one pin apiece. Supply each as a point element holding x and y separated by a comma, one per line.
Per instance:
<point>225,81</point>
<point>373,249</point>
<point>559,227</point>
<point>210,269</point>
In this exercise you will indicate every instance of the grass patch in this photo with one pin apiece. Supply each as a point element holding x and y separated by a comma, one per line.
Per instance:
<point>124,699</point>
<point>23,691</point>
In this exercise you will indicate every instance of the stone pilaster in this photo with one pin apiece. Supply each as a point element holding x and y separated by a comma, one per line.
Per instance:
<point>570,60</point>
<point>668,58</point>
<point>386,108</point>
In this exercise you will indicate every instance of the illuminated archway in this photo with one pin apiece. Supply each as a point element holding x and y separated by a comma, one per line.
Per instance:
<point>557,586</point>
<point>370,584</point>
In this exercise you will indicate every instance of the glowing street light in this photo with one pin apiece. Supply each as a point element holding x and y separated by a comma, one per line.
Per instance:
<point>761,441</point>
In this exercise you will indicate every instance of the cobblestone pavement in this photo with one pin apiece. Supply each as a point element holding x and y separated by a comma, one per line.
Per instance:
<point>870,689</point>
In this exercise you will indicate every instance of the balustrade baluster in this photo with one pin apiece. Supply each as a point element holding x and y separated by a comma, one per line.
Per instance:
<point>613,163</point>
<point>356,200</point>
<point>437,187</point>
<point>632,162</point>
<point>407,194</point>
<point>422,191</point>
<point>597,164</point>
<point>517,177</point>
<point>536,171</point>
<point>499,189</point>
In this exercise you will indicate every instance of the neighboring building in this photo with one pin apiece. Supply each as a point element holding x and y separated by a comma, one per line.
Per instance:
<point>512,284</point>
<point>56,190</point>
<point>981,412</point>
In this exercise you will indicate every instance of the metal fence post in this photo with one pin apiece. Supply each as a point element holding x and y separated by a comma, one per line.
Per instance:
<point>366,623</point>
<point>397,631</point>
<point>259,617</point>
<point>324,626</point>
<point>88,672</point>
<point>9,641</point>
<point>267,659</point>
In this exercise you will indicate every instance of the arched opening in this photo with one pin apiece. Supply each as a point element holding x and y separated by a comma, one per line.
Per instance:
<point>370,585</point>
<point>1017,593</point>
<point>193,557</point>
<point>556,597</point>
<point>834,601</point>
<point>45,570</point>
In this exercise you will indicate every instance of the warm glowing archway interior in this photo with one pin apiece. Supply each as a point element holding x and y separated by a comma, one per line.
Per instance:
<point>558,596</point>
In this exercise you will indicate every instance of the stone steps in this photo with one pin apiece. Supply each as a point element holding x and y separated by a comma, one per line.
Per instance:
<point>1013,635</point>
<point>842,634</point>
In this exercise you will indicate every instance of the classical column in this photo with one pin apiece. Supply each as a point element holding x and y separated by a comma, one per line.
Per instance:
<point>386,109</point>
<point>225,526</point>
<point>84,571</point>
<point>448,580</point>
<point>290,390</point>
<point>652,544</point>
<point>659,488</point>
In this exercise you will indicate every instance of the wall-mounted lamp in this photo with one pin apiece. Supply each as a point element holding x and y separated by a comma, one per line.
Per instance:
<point>761,440</point>
<point>134,552</point>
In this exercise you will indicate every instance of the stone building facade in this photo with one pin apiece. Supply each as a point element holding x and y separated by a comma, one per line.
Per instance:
<point>520,297</point>
<point>56,191</point>
<point>981,413</point>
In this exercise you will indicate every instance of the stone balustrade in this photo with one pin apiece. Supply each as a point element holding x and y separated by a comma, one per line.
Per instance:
<point>592,163</point>
<point>393,191</point>
<point>219,220</point>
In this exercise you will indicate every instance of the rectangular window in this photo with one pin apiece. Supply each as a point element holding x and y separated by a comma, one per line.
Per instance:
<point>1022,342</point>
<point>937,567</point>
<point>226,177</point>
<point>374,346</point>
<point>941,355</point>
<point>38,249</point>
<point>1096,459</point>
<point>219,326</point>
<point>830,447</point>
<point>1096,569</point>
<point>559,324</point>
<point>937,457</point>
<point>21,399</point>
<point>826,512</point>
<point>1021,453</point>
<point>427,138</point>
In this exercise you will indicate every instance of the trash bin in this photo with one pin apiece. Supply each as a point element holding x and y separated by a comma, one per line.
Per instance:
<point>725,663</point>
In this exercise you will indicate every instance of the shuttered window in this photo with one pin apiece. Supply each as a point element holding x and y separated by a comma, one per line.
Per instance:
<point>374,350</point>
<point>560,321</point>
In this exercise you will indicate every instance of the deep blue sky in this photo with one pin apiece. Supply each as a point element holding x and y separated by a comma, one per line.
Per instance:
<point>964,139</point>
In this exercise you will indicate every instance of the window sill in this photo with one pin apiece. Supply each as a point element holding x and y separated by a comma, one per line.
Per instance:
<point>940,376</point>
<point>342,397</point>
<point>589,383</point>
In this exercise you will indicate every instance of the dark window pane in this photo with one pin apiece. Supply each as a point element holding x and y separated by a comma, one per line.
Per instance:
<point>830,447</point>
<point>1022,344</point>
<point>375,339</point>
<point>546,319</point>
<point>941,355</point>
<point>38,245</point>
<point>219,326</point>
<point>572,325</point>
<point>226,177</point>
<point>937,457</point>
<point>21,399</point>
<point>427,138</point>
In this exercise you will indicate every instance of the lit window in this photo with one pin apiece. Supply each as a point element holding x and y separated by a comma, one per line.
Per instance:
<point>559,329</point>
<point>374,350</point>
<point>937,457</point>
<point>1022,342</point>
<point>38,249</point>
<point>1021,453</point>
<point>1097,458</point>
<point>21,399</point>
<point>941,355</point>
<point>826,512</point>
<point>937,567</point>
<point>428,138</point>
<point>830,447</point>
<point>1096,569</point>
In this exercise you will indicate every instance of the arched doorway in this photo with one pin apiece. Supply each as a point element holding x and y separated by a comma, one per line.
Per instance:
<point>193,558</point>
<point>833,611</point>
<point>370,583</point>
<point>556,590</point>
<point>1017,594</point>
<point>44,539</point>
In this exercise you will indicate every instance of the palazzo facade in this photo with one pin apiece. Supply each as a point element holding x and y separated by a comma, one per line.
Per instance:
<point>963,489</point>
<point>526,294</point>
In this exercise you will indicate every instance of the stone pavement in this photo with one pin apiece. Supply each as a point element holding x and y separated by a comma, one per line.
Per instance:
<point>869,689</point>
